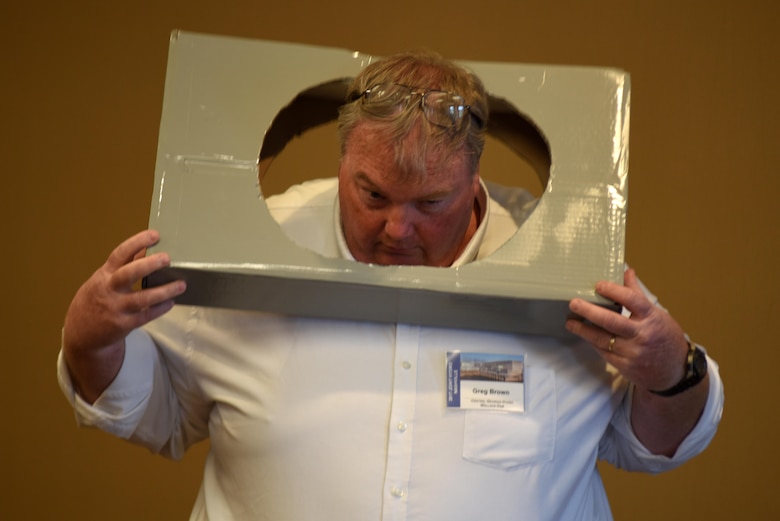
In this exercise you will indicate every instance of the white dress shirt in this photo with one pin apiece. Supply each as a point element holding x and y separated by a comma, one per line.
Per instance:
<point>336,420</point>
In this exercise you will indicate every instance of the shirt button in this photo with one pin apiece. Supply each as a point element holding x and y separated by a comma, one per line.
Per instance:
<point>401,426</point>
<point>406,364</point>
<point>397,492</point>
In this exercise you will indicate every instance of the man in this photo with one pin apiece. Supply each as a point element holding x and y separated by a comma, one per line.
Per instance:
<point>325,419</point>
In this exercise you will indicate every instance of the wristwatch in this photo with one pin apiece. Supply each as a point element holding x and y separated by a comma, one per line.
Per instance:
<point>695,371</point>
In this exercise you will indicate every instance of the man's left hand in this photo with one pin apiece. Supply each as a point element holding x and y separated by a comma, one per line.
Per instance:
<point>646,344</point>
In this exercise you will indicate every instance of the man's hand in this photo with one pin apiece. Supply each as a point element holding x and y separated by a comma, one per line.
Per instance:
<point>107,307</point>
<point>648,346</point>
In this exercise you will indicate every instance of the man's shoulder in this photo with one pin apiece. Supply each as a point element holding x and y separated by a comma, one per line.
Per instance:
<point>316,192</point>
<point>306,214</point>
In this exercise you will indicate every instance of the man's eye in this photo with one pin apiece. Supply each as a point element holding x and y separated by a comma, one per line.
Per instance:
<point>431,206</point>
<point>373,197</point>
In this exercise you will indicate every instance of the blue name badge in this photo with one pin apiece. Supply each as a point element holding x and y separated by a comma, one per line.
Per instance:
<point>489,382</point>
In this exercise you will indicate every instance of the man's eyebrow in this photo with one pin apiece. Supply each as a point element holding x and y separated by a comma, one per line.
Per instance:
<point>440,194</point>
<point>363,178</point>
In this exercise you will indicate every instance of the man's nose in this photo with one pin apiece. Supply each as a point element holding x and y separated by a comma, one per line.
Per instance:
<point>399,222</point>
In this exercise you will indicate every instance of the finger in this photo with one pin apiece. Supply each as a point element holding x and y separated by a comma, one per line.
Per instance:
<point>145,301</point>
<point>612,322</point>
<point>630,280</point>
<point>127,250</point>
<point>629,296</point>
<point>598,337</point>
<point>158,310</point>
<point>127,321</point>
<point>127,275</point>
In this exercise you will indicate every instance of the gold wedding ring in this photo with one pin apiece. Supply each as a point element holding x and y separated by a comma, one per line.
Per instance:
<point>612,343</point>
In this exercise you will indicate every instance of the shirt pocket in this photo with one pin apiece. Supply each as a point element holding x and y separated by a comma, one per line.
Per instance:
<point>511,440</point>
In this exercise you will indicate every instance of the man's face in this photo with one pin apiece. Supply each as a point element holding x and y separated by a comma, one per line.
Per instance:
<point>390,217</point>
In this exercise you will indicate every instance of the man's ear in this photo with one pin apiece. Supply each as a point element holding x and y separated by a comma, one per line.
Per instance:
<point>475,181</point>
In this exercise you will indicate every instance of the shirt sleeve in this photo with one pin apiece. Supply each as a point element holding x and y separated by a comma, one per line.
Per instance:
<point>621,447</point>
<point>140,405</point>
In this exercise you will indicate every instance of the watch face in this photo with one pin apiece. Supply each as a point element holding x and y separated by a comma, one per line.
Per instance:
<point>699,363</point>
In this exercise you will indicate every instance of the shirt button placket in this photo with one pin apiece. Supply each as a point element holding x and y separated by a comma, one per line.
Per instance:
<point>399,447</point>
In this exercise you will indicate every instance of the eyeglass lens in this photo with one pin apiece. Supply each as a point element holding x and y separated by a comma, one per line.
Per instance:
<point>443,108</point>
<point>440,107</point>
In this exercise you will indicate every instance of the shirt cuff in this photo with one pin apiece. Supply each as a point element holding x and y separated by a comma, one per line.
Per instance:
<point>122,405</point>
<point>693,444</point>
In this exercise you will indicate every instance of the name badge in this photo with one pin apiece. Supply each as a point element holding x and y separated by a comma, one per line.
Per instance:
<point>489,382</point>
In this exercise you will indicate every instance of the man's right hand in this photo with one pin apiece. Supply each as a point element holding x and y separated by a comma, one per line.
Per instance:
<point>107,307</point>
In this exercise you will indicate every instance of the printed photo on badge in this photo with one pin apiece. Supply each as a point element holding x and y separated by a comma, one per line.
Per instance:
<point>489,382</point>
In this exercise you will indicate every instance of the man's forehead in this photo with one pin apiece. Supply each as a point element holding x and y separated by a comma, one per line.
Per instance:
<point>413,154</point>
<point>368,137</point>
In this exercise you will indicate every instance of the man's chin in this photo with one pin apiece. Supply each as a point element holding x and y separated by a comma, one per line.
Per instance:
<point>398,258</point>
<point>398,261</point>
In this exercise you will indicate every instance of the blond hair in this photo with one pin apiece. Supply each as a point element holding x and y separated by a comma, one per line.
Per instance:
<point>422,70</point>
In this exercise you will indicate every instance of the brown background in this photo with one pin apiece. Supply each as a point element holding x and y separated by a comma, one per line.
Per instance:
<point>82,85</point>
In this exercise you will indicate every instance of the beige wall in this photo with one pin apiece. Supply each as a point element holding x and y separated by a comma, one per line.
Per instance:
<point>81,96</point>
